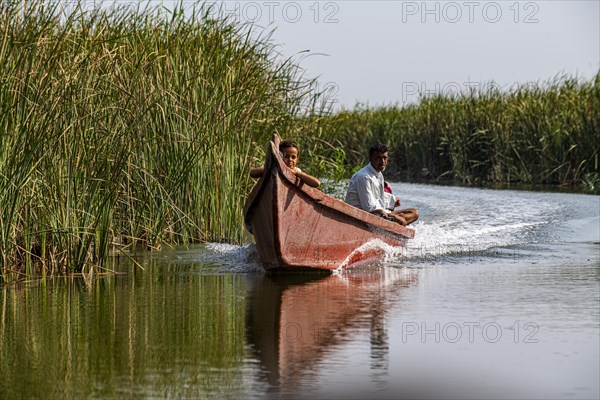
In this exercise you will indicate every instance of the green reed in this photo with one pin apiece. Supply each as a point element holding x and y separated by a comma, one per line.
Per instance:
<point>542,134</point>
<point>124,126</point>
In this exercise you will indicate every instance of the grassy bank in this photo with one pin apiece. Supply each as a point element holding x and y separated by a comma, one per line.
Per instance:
<point>122,127</point>
<point>543,134</point>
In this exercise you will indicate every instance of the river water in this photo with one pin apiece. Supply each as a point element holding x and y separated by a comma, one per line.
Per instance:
<point>498,296</point>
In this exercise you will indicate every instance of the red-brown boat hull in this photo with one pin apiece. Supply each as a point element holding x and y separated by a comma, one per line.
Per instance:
<point>295,225</point>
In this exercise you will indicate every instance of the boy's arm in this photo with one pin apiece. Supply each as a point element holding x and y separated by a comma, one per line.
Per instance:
<point>257,172</point>
<point>308,179</point>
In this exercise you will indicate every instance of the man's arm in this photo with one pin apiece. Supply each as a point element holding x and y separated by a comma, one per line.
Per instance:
<point>366,194</point>
<point>390,201</point>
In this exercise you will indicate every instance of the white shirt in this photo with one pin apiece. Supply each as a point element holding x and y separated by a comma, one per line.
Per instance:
<point>366,191</point>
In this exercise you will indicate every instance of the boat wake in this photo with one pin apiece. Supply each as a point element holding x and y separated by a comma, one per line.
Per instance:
<point>458,221</point>
<point>434,240</point>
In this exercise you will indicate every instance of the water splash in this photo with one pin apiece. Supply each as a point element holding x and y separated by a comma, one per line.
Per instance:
<point>372,249</point>
<point>233,258</point>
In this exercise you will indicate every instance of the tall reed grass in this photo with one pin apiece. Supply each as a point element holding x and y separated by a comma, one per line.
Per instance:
<point>136,125</point>
<point>541,134</point>
<point>130,126</point>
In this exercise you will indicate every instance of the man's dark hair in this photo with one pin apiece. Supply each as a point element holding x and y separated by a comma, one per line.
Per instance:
<point>287,143</point>
<point>378,148</point>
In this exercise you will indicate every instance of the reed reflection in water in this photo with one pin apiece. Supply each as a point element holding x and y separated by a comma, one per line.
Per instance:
<point>184,330</point>
<point>160,333</point>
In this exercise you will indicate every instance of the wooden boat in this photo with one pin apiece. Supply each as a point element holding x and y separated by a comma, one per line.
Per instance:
<point>297,226</point>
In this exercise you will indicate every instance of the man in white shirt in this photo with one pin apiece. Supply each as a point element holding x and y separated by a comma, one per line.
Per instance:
<point>366,190</point>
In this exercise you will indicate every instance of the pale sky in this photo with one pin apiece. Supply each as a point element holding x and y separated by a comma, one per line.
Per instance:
<point>386,52</point>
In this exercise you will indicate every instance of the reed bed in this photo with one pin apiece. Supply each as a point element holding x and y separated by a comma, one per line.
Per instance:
<point>124,127</point>
<point>541,134</point>
<point>130,126</point>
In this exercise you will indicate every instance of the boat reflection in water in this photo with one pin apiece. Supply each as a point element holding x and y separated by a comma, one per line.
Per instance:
<point>294,321</point>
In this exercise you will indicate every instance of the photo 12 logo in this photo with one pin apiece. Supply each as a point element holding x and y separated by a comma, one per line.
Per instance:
<point>328,92</point>
<point>454,332</point>
<point>414,91</point>
<point>269,12</point>
<point>452,12</point>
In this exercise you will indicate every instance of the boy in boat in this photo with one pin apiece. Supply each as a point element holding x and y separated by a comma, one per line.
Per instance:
<point>290,153</point>
<point>367,190</point>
